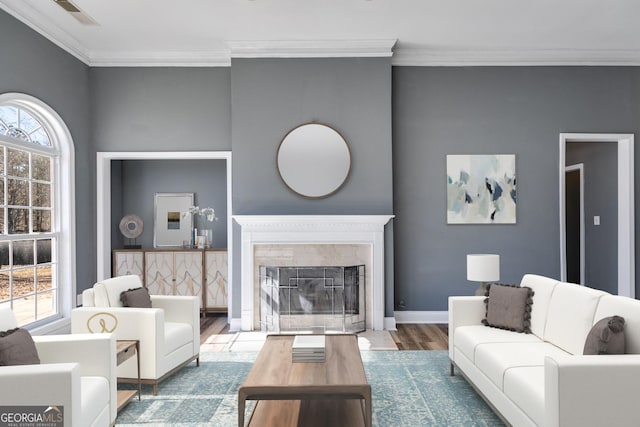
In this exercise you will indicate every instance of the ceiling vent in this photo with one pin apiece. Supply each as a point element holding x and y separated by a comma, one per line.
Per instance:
<point>74,11</point>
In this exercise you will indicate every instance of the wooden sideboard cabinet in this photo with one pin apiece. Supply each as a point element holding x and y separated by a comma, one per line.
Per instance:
<point>198,272</point>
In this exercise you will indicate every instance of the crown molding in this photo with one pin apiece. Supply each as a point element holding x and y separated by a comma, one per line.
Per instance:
<point>43,26</point>
<point>311,48</point>
<point>161,59</point>
<point>520,57</point>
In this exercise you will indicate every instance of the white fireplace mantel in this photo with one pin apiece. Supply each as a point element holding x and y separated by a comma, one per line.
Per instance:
<point>312,229</point>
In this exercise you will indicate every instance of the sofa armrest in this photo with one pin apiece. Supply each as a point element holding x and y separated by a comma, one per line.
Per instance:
<point>95,355</point>
<point>56,384</point>
<point>592,390</point>
<point>464,311</point>
<point>126,323</point>
<point>181,309</point>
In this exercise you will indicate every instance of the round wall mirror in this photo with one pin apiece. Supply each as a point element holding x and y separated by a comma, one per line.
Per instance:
<point>314,160</point>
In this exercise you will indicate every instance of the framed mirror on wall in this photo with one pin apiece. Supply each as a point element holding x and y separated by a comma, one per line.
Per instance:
<point>313,160</point>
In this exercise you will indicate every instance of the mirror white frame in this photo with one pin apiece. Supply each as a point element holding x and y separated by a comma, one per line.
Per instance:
<point>313,160</point>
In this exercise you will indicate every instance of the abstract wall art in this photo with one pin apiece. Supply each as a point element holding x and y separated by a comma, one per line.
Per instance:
<point>481,189</point>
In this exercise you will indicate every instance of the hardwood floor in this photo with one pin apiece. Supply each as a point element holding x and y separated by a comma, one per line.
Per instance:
<point>421,337</point>
<point>214,330</point>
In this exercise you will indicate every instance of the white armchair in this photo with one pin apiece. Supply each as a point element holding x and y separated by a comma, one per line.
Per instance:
<point>169,332</point>
<point>77,372</point>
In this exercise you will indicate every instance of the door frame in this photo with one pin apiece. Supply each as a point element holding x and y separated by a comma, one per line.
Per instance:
<point>626,227</point>
<point>580,168</point>
<point>103,203</point>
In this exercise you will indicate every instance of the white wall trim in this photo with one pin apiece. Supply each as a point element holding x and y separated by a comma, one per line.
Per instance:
<point>422,317</point>
<point>626,218</point>
<point>103,203</point>
<point>311,48</point>
<point>390,324</point>
<point>436,57</point>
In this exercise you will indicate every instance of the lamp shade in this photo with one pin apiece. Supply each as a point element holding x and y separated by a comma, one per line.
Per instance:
<point>483,267</point>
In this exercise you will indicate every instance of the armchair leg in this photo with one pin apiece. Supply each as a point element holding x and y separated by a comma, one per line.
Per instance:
<point>198,361</point>
<point>451,373</point>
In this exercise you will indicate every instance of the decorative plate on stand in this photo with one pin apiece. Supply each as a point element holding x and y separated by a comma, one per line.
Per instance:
<point>131,227</point>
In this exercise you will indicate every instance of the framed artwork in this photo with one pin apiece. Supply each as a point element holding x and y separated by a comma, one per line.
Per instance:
<point>481,189</point>
<point>170,227</point>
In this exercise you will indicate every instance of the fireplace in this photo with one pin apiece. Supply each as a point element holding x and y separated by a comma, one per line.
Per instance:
<point>312,240</point>
<point>320,299</point>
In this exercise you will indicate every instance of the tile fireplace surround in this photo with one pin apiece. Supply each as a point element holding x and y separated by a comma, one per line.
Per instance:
<point>259,230</point>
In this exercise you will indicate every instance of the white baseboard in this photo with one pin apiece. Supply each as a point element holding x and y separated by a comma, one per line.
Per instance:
<point>390,324</point>
<point>235,325</point>
<point>422,316</point>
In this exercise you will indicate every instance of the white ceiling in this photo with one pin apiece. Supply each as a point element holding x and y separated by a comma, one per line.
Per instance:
<point>426,32</point>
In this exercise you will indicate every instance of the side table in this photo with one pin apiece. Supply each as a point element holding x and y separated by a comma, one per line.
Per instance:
<point>125,349</point>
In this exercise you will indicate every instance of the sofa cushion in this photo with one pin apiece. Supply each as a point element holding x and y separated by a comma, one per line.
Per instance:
<point>176,335</point>
<point>571,315</point>
<point>17,348</point>
<point>606,337</point>
<point>94,397</point>
<point>525,387</point>
<point>628,308</point>
<point>138,297</point>
<point>508,307</point>
<point>542,289</point>
<point>494,359</point>
<point>467,338</point>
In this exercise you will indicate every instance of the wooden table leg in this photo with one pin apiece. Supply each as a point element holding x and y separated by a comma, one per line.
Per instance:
<point>368,409</point>
<point>241,404</point>
<point>138,358</point>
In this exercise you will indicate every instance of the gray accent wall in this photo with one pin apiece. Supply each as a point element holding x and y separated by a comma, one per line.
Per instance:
<point>33,65</point>
<point>490,110</point>
<point>272,96</point>
<point>600,161</point>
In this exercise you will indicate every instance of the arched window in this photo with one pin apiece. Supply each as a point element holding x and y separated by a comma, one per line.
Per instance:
<point>36,240</point>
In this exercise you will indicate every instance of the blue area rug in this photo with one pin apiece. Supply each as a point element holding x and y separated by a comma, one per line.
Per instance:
<point>410,388</point>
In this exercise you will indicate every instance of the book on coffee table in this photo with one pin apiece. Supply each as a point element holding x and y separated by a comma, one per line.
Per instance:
<point>308,348</point>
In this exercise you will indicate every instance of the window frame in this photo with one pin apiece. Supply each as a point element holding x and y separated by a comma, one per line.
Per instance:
<point>63,203</point>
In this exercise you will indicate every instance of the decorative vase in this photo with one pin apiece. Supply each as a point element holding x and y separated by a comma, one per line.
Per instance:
<point>205,238</point>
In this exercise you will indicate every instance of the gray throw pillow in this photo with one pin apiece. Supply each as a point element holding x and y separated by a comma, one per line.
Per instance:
<point>138,297</point>
<point>606,337</point>
<point>17,348</point>
<point>509,307</point>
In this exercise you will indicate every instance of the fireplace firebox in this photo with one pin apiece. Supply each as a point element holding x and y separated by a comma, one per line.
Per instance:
<point>326,299</point>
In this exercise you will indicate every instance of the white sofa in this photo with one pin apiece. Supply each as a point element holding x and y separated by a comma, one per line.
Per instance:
<point>77,372</point>
<point>169,332</point>
<point>542,378</point>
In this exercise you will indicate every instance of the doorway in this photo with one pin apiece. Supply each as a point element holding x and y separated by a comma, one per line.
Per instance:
<point>574,222</point>
<point>103,203</point>
<point>625,208</point>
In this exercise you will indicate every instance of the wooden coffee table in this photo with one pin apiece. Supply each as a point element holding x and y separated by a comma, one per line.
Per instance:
<point>309,394</point>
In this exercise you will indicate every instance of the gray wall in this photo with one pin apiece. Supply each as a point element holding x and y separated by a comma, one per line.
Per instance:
<point>600,161</point>
<point>31,64</point>
<point>490,110</point>
<point>161,109</point>
<point>272,96</point>
<point>141,179</point>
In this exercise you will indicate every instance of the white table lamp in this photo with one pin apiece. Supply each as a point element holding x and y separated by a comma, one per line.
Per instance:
<point>483,268</point>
